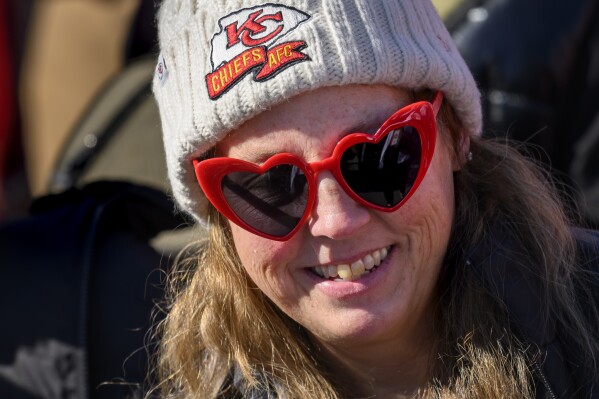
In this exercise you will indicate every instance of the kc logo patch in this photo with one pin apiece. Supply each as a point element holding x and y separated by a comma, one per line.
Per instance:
<point>250,40</point>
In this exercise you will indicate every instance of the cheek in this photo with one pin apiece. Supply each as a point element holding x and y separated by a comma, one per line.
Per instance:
<point>428,216</point>
<point>252,249</point>
<point>437,193</point>
<point>264,260</point>
<point>427,227</point>
<point>436,222</point>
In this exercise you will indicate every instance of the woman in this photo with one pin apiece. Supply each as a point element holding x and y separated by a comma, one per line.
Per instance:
<point>364,241</point>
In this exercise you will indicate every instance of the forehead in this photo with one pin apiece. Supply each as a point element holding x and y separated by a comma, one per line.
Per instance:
<point>310,124</point>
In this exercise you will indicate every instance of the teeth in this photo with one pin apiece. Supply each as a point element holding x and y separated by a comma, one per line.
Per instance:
<point>369,261</point>
<point>384,253</point>
<point>359,268</point>
<point>332,270</point>
<point>344,272</point>
<point>376,256</point>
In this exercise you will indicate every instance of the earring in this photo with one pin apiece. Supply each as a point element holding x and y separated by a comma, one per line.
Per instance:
<point>469,156</point>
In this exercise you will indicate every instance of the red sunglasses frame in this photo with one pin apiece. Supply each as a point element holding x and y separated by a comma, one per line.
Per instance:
<point>421,115</point>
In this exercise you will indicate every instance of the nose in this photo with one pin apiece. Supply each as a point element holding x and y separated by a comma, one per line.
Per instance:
<point>335,215</point>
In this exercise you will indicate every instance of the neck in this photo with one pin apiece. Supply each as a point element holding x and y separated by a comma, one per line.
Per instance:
<point>382,369</point>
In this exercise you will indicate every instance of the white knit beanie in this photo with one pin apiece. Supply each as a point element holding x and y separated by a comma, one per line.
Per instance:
<point>224,61</point>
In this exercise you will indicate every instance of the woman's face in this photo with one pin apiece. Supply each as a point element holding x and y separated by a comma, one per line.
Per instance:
<point>395,301</point>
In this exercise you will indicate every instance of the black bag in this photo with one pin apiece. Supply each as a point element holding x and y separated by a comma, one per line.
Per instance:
<point>79,281</point>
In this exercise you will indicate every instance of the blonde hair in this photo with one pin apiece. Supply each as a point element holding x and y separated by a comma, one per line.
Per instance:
<point>219,322</point>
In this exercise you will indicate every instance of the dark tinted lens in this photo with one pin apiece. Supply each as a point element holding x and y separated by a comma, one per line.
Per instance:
<point>273,202</point>
<point>383,173</point>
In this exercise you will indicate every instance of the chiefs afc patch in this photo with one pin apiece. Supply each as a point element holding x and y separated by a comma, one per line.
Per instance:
<point>250,40</point>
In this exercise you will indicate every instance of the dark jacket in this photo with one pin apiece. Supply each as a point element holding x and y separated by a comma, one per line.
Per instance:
<point>499,263</point>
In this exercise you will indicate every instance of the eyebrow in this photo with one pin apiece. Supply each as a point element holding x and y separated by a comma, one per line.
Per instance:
<point>259,157</point>
<point>368,127</point>
<point>261,154</point>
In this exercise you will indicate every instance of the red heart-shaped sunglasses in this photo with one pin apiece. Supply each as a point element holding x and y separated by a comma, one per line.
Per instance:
<point>379,171</point>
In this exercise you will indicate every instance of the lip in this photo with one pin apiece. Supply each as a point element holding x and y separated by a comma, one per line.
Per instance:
<point>350,289</point>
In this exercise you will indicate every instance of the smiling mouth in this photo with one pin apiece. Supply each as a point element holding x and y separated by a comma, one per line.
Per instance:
<point>355,270</point>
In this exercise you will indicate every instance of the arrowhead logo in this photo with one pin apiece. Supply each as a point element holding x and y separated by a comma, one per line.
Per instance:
<point>248,40</point>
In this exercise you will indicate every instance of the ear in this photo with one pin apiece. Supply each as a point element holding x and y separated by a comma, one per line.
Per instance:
<point>461,157</point>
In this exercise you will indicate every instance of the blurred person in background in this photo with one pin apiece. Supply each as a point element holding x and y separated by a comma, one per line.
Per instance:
<point>81,268</point>
<point>14,190</point>
<point>57,57</point>
<point>537,63</point>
